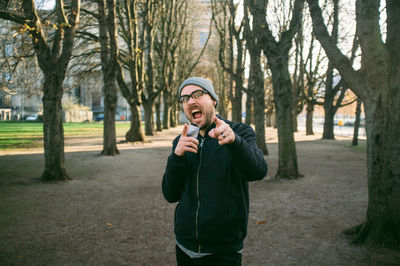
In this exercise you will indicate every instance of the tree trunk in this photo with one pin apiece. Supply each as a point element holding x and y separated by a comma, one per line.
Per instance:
<point>309,118</point>
<point>53,128</point>
<point>328,122</point>
<point>357,123</point>
<point>166,113</point>
<point>328,132</point>
<point>278,59</point>
<point>257,86</point>
<point>329,91</point>
<point>295,127</point>
<point>135,133</point>
<point>173,119</point>
<point>383,155</point>
<point>109,130</point>
<point>109,57</point>
<point>287,166</point>
<point>148,117</point>
<point>249,110</point>
<point>158,115</point>
<point>259,117</point>
<point>268,118</point>
<point>237,105</point>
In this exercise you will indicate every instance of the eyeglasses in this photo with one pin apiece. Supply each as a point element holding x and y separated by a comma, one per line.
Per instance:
<point>195,95</point>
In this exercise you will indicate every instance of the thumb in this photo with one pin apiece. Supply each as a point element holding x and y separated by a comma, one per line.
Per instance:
<point>185,130</point>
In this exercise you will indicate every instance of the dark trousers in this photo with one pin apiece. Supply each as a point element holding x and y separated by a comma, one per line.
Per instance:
<point>221,259</point>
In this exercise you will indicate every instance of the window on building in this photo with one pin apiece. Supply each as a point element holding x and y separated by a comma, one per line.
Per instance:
<point>203,38</point>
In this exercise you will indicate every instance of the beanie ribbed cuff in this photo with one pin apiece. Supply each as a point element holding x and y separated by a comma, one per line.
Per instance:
<point>201,82</point>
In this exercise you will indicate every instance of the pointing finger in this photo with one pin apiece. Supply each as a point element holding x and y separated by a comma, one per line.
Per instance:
<point>217,121</point>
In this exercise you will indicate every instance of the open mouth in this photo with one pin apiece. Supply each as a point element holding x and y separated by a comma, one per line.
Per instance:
<point>196,114</point>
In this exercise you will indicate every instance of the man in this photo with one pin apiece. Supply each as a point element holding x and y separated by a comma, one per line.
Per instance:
<point>209,177</point>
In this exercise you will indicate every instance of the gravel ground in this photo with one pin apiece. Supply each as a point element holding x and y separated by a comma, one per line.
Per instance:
<point>112,212</point>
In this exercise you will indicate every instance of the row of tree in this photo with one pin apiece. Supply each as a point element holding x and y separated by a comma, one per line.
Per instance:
<point>155,56</point>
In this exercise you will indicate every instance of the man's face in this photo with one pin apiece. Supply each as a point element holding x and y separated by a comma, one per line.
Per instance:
<point>199,111</point>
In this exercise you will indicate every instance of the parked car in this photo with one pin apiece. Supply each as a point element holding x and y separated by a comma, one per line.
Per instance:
<point>100,117</point>
<point>33,117</point>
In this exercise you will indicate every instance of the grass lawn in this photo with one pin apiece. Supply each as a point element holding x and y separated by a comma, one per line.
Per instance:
<point>17,135</point>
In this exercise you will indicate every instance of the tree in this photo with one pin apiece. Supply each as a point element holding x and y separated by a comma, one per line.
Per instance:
<point>377,84</point>
<point>109,63</point>
<point>256,78</point>
<point>53,53</point>
<point>129,61</point>
<point>312,67</point>
<point>170,38</point>
<point>277,53</point>
<point>332,102</point>
<point>231,39</point>
<point>146,77</point>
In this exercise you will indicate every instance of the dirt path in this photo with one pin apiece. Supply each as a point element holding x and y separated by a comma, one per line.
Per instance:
<point>113,212</point>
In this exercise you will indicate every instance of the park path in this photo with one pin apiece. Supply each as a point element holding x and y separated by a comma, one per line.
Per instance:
<point>112,212</point>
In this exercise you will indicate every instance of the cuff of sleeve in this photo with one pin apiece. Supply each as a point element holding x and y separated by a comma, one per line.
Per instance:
<point>176,160</point>
<point>236,144</point>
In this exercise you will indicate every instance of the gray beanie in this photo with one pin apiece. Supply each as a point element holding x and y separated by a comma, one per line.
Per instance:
<point>201,82</point>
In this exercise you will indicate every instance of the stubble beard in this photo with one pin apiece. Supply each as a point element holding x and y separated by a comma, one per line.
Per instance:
<point>208,115</point>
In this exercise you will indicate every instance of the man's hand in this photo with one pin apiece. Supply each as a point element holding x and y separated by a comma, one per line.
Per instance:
<point>222,132</point>
<point>186,143</point>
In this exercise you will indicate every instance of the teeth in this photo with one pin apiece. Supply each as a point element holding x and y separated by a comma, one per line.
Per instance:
<point>195,110</point>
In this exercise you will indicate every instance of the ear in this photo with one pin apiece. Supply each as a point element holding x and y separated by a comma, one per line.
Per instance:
<point>215,103</point>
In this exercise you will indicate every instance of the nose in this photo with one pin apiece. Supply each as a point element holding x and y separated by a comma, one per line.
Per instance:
<point>191,101</point>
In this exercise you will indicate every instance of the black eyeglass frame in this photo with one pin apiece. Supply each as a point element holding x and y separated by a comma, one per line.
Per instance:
<point>180,99</point>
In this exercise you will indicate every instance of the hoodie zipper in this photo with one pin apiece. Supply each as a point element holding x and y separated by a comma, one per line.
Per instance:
<point>198,194</point>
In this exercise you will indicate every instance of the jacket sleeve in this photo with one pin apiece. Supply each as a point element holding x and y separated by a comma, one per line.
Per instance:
<point>247,157</point>
<point>174,177</point>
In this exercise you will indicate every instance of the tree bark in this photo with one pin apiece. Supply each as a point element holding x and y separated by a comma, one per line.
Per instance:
<point>328,132</point>
<point>53,128</point>
<point>135,132</point>
<point>148,107</point>
<point>259,99</point>
<point>287,165</point>
<point>249,109</point>
<point>166,112</point>
<point>357,123</point>
<point>309,118</point>
<point>109,129</point>
<point>173,118</point>
<point>158,114</point>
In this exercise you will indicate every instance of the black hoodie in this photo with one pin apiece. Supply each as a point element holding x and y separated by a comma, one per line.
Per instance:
<point>212,189</point>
